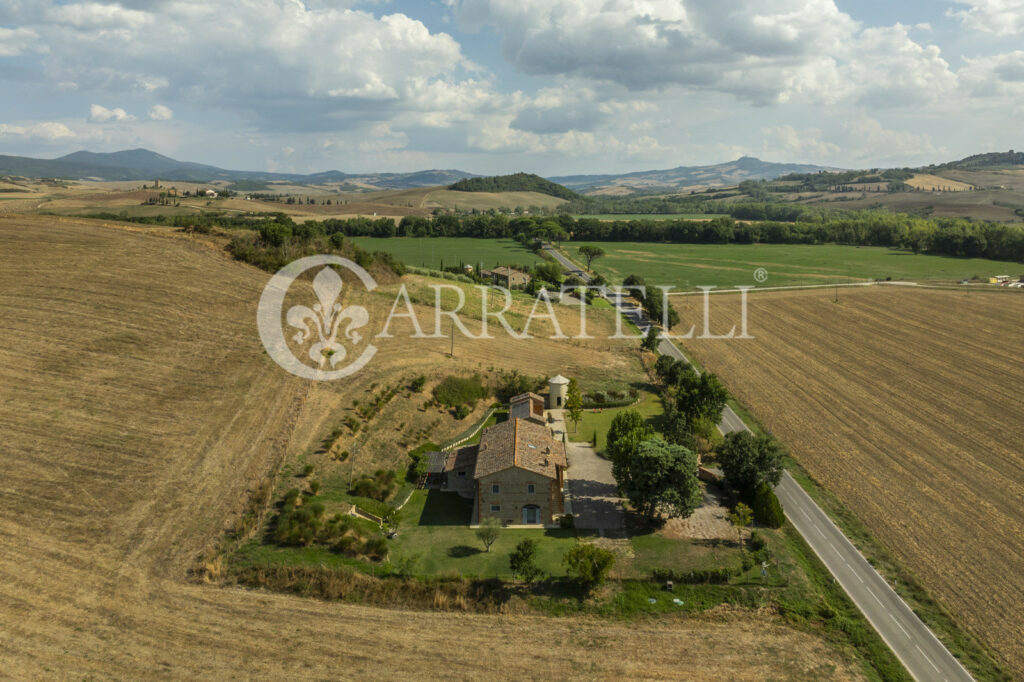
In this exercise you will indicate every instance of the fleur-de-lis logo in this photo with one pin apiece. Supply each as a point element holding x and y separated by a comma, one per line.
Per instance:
<point>326,317</point>
<point>326,324</point>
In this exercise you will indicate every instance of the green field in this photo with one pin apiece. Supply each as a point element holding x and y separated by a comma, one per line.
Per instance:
<point>651,216</point>
<point>687,266</point>
<point>428,252</point>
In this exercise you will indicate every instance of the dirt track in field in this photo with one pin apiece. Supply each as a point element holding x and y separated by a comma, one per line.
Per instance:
<point>137,409</point>
<point>909,405</point>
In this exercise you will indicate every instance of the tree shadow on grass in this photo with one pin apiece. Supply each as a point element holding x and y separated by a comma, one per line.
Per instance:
<point>463,551</point>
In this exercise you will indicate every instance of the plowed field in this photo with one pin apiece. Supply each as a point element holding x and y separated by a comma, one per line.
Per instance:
<point>136,410</point>
<point>909,405</point>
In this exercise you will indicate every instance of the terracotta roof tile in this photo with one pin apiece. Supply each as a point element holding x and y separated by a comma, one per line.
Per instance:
<point>519,443</point>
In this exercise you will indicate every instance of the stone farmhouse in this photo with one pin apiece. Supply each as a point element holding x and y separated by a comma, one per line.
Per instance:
<point>516,473</point>
<point>510,278</point>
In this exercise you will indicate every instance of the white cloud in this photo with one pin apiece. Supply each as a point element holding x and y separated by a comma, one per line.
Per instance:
<point>100,114</point>
<point>762,51</point>
<point>995,75</point>
<point>42,130</point>
<point>889,69</point>
<point>285,63</point>
<point>786,142</point>
<point>1001,17</point>
<point>18,41</point>
<point>158,112</point>
<point>869,140</point>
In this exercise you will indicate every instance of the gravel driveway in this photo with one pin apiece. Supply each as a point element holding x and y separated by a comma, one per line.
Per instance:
<point>595,500</point>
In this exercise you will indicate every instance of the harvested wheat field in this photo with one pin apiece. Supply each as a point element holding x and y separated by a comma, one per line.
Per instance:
<point>137,409</point>
<point>906,403</point>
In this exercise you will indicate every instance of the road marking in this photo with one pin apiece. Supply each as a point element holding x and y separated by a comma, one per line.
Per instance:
<point>898,625</point>
<point>928,659</point>
<point>872,593</point>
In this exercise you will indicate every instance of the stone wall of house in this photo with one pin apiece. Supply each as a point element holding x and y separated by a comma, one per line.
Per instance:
<point>513,495</point>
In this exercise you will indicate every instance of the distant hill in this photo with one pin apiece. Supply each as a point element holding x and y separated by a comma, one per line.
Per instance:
<point>517,182</point>
<point>718,175</point>
<point>990,160</point>
<point>139,164</point>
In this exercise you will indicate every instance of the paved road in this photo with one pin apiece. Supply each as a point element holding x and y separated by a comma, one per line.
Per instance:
<point>914,644</point>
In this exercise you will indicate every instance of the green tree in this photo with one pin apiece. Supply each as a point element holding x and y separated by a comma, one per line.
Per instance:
<point>748,460</point>
<point>588,564</point>
<point>523,561</point>
<point>275,234</point>
<point>574,403</point>
<point>651,341</point>
<point>487,533</point>
<point>628,429</point>
<point>740,518</point>
<point>700,397</point>
<point>591,253</point>
<point>766,507</point>
<point>662,478</point>
<point>558,235</point>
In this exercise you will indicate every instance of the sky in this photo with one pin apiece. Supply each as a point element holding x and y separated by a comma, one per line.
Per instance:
<point>498,86</point>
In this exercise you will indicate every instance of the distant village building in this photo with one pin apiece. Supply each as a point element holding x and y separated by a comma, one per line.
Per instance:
<point>507,277</point>
<point>516,473</point>
<point>211,194</point>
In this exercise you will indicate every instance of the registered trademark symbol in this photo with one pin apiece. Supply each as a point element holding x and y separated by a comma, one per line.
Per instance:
<point>761,275</point>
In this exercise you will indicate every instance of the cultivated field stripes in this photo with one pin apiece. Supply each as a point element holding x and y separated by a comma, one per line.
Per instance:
<point>137,410</point>
<point>905,404</point>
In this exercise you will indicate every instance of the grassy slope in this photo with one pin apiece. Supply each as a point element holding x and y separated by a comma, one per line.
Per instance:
<point>692,265</point>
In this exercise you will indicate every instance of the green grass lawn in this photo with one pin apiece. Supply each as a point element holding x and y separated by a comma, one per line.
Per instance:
<point>428,252</point>
<point>650,216</point>
<point>599,420</point>
<point>687,266</point>
<point>434,526</point>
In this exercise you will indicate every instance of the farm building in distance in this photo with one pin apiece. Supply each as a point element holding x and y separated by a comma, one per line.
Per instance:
<point>515,474</point>
<point>507,277</point>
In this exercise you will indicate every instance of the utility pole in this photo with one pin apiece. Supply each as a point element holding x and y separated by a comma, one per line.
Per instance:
<point>452,351</point>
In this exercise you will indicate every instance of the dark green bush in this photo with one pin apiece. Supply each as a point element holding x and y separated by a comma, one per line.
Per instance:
<point>455,391</point>
<point>766,507</point>
<point>713,576</point>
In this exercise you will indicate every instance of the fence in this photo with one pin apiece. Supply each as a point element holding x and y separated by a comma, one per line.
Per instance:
<point>466,435</point>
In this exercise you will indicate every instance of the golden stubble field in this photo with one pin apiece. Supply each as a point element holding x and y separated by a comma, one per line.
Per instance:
<point>137,410</point>
<point>909,405</point>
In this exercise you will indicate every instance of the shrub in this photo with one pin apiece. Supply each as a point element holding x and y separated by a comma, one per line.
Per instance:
<point>588,564</point>
<point>767,509</point>
<point>314,487</point>
<point>418,383</point>
<point>380,486</point>
<point>375,547</point>
<point>567,521</point>
<point>462,411</point>
<point>523,560</point>
<point>307,470</point>
<point>712,576</point>
<point>455,391</point>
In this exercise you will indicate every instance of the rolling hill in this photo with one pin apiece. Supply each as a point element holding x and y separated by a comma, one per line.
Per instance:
<point>717,175</point>
<point>136,164</point>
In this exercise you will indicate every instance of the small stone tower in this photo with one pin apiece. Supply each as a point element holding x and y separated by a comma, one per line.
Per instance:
<point>558,387</point>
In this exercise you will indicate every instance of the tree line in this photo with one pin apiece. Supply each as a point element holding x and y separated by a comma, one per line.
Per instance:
<point>943,236</point>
